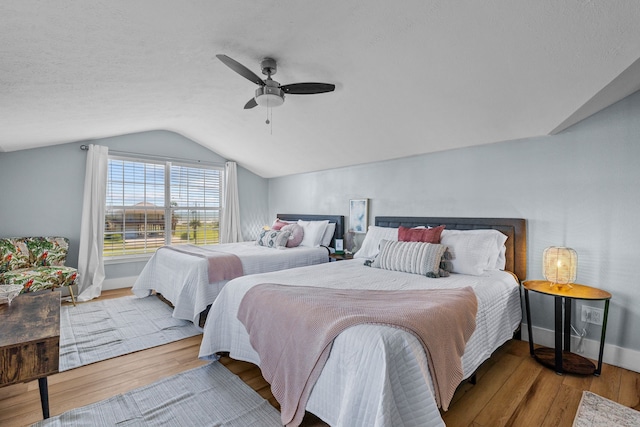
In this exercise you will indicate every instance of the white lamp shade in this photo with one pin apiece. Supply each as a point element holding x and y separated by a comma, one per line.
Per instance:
<point>269,100</point>
<point>559,264</point>
<point>269,96</point>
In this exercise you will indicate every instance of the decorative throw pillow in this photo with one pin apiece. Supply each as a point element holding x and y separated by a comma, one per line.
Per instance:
<point>371,244</point>
<point>427,235</point>
<point>278,224</point>
<point>410,257</point>
<point>297,233</point>
<point>313,232</point>
<point>445,264</point>
<point>273,239</point>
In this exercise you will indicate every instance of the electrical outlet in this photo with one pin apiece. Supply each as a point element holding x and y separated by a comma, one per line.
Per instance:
<point>592,315</point>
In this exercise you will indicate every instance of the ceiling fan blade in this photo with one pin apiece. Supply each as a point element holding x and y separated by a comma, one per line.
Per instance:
<point>240,69</point>
<point>252,103</point>
<point>307,88</point>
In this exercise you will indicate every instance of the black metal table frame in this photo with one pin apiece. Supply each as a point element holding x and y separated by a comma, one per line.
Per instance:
<point>564,329</point>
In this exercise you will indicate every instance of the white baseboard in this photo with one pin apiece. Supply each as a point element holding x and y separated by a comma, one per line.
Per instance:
<point>108,284</point>
<point>119,283</point>
<point>612,355</point>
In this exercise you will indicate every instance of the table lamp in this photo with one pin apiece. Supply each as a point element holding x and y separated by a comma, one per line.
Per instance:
<point>559,265</point>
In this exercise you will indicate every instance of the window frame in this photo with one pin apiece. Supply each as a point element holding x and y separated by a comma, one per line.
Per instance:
<point>167,164</point>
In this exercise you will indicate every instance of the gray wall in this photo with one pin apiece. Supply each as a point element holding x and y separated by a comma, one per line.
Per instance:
<point>578,189</point>
<point>43,187</point>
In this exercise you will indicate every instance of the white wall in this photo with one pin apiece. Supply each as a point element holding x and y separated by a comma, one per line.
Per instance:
<point>42,190</point>
<point>580,188</point>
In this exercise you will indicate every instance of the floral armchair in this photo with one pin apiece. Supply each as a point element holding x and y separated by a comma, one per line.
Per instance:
<point>36,263</point>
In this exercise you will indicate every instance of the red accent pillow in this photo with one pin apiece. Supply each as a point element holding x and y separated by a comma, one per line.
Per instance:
<point>427,235</point>
<point>278,224</point>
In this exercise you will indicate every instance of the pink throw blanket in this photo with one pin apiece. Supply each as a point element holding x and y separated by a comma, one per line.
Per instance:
<point>221,265</point>
<point>292,329</point>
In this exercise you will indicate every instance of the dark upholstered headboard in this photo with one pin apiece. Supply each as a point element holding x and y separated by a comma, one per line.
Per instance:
<point>338,219</point>
<point>514,228</point>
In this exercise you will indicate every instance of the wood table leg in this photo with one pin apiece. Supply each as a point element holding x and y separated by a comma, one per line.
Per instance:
<point>44,396</point>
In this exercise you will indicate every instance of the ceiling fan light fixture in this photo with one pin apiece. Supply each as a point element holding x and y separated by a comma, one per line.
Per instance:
<point>270,93</point>
<point>268,96</point>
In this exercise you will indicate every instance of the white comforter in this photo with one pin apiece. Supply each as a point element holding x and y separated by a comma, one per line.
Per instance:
<point>183,279</point>
<point>376,375</point>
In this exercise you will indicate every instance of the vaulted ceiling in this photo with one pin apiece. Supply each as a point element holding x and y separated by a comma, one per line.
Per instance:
<point>411,77</point>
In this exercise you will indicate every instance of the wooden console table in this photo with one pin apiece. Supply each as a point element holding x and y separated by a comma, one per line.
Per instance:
<point>30,341</point>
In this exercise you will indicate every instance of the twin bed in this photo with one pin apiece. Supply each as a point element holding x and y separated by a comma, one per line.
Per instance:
<point>377,374</point>
<point>185,280</point>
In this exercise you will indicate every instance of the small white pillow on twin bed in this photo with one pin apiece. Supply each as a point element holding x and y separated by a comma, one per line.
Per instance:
<point>313,232</point>
<point>371,245</point>
<point>501,263</point>
<point>328,234</point>
<point>473,251</point>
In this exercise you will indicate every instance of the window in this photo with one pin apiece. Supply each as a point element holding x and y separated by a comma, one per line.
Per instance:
<point>154,203</point>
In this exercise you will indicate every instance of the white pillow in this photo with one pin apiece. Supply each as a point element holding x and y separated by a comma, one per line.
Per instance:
<point>313,232</point>
<point>328,234</point>
<point>473,251</point>
<point>371,245</point>
<point>501,263</point>
<point>499,255</point>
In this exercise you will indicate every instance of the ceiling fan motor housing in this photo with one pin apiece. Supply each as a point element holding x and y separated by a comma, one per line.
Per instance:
<point>269,66</point>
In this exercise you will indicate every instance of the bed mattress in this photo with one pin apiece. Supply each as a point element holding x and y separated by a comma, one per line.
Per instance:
<point>376,375</point>
<point>183,279</point>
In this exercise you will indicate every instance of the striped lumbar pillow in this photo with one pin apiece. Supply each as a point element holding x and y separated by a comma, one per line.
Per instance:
<point>410,257</point>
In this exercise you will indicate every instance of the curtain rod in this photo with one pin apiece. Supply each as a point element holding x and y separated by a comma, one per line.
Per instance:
<point>85,147</point>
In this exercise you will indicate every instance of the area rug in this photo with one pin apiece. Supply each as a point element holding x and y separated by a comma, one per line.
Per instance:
<point>596,411</point>
<point>206,396</point>
<point>99,330</point>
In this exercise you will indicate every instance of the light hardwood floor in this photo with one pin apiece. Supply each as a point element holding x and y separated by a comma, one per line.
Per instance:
<point>512,389</point>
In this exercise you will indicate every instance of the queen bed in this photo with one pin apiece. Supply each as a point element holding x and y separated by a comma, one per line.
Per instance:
<point>379,375</point>
<point>185,279</point>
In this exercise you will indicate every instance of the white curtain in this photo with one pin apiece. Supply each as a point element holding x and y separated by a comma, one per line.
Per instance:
<point>230,218</point>
<point>90,262</point>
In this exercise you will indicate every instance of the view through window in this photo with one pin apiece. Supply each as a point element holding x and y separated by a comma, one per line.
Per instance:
<point>150,204</point>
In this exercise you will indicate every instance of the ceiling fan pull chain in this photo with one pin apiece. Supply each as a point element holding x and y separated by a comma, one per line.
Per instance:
<point>267,121</point>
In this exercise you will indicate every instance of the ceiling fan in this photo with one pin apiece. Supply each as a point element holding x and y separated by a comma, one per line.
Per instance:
<point>271,93</point>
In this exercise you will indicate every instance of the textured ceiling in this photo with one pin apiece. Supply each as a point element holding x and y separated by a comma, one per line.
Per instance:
<point>411,77</point>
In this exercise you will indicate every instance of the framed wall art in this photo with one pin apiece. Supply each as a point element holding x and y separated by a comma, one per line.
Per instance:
<point>358,215</point>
